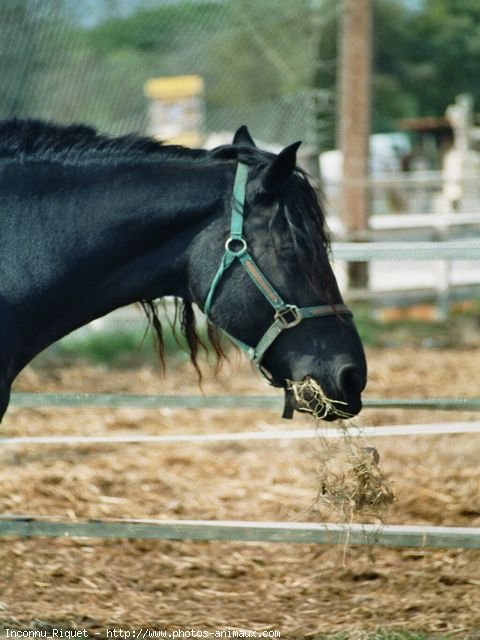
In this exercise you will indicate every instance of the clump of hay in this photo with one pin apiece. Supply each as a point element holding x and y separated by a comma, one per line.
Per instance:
<point>351,482</point>
<point>311,398</point>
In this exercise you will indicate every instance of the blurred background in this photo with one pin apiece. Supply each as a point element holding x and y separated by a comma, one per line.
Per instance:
<point>273,65</point>
<point>89,60</point>
<point>191,71</point>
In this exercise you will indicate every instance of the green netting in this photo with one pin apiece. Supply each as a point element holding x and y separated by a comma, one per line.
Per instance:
<point>88,61</point>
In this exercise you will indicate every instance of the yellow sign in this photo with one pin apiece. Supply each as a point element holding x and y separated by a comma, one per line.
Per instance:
<point>174,87</point>
<point>176,110</point>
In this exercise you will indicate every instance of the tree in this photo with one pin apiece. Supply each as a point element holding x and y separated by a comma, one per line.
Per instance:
<point>436,56</point>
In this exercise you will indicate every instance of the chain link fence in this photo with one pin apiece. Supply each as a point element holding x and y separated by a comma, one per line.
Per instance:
<point>88,61</point>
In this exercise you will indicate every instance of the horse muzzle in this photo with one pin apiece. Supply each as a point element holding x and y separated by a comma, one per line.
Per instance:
<point>333,392</point>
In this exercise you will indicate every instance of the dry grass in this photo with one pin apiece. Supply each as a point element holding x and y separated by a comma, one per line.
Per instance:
<point>300,590</point>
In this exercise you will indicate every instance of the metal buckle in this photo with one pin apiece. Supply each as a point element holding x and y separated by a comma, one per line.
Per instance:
<point>241,246</point>
<point>288,316</point>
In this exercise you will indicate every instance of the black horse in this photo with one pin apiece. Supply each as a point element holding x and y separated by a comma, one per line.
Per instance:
<point>92,223</point>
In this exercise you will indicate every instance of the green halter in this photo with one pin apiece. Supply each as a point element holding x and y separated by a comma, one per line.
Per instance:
<point>286,315</point>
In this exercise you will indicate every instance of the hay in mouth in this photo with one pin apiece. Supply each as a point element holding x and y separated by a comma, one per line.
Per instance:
<point>311,398</point>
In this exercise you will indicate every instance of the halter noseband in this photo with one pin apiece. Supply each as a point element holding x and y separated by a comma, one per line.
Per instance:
<point>286,315</point>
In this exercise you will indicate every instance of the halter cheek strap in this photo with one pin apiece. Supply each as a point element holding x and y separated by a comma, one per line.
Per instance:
<point>286,315</point>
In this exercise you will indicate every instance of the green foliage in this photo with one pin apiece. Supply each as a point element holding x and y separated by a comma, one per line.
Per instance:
<point>425,57</point>
<point>158,30</point>
<point>114,349</point>
<point>119,347</point>
<point>125,346</point>
<point>247,52</point>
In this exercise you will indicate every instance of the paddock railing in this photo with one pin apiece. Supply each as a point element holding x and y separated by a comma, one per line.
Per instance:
<point>468,249</point>
<point>242,531</point>
<point>429,429</point>
<point>248,402</point>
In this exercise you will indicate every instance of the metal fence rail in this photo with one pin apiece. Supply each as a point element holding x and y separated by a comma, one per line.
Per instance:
<point>448,428</point>
<point>302,532</point>
<point>407,250</point>
<point>132,401</point>
<point>435,222</point>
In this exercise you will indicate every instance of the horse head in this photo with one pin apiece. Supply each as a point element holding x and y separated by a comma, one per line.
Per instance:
<point>261,273</point>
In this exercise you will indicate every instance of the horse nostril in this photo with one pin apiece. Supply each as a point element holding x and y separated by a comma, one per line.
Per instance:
<point>350,381</point>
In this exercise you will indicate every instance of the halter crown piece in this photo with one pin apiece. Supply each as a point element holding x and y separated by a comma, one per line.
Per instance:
<point>286,315</point>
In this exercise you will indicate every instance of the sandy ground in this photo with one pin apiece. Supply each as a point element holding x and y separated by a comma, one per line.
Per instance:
<point>302,591</point>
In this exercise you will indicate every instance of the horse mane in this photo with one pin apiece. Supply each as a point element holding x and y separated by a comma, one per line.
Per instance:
<point>31,139</point>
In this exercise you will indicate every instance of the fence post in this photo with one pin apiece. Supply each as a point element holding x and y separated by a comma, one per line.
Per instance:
<point>354,123</point>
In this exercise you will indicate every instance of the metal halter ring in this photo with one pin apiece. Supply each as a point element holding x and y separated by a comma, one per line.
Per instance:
<point>239,241</point>
<point>289,316</point>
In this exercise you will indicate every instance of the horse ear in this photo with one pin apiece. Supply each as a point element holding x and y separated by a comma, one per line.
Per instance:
<point>242,136</point>
<point>279,170</point>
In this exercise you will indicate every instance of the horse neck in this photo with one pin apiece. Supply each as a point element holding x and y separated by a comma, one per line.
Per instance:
<point>100,239</point>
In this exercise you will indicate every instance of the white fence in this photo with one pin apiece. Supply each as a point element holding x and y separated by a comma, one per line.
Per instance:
<point>432,271</point>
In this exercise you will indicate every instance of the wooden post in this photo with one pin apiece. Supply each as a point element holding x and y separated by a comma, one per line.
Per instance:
<point>354,123</point>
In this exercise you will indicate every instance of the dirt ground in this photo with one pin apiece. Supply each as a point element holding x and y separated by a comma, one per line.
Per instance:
<point>300,590</point>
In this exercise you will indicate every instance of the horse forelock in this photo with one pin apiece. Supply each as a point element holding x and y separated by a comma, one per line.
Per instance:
<point>300,206</point>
